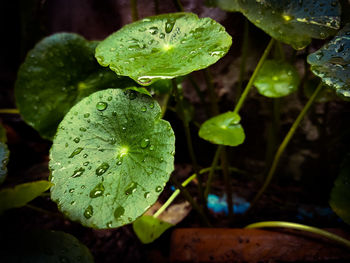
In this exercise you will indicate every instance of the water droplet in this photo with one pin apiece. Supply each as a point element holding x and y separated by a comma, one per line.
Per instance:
<point>102,169</point>
<point>89,211</point>
<point>151,147</point>
<point>146,195</point>
<point>86,115</point>
<point>109,224</point>
<point>97,191</point>
<point>76,140</point>
<point>82,129</point>
<point>76,152</point>
<point>143,109</point>
<point>144,143</point>
<point>144,80</point>
<point>131,188</point>
<point>169,25</point>
<point>86,163</point>
<point>113,141</point>
<point>119,162</point>
<point>161,159</point>
<point>159,189</point>
<point>161,35</point>
<point>118,212</point>
<point>131,94</point>
<point>124,129</point>
<point>153,30</point>
<point>85,155</point>
<point>101,106</point>
<point>78,172</point>
<point>151,105</point>
<point>71,190</point>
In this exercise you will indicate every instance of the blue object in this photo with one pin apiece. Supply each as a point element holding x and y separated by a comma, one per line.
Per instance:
<point>219,205</point>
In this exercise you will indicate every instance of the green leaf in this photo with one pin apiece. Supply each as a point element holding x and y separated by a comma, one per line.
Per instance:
<point>164,47</point>
<point>43,246</point>
<point>340,195</point>
<point>56,74</point>
<point>332,63</point>
<point>21,194</point>
<point>149,228</point>
<point>293,22</point>
<point>111,158</point>
<point>277,79</point>
<point>4,159</point>
<point>140,90</point>
<point>325,94</point>
<point>223,129</point>
<point>165,86</point>
<point>227,5</point>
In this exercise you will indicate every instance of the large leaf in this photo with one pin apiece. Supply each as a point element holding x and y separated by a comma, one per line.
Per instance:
<point>43,246</point>
<point>332,62</point>
<point>111,158</point>
<point>164,47</point>
<point>149,228</point>
<point>293,22</point>
<point>57,73</point>
<point>340,195</point>
<point>223,129</point>
<point>21,194</point>
<point>276,79</point>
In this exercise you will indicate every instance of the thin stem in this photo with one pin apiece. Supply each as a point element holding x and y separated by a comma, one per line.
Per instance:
<point>212,94</point>
<point>227,180</point>
<point>134,12</point>
<point>280,50</point>
<point>165,104</point>
<point>211,171</point>
<point>9,111</point>
<point>178,5</point>
<point>301,227</point>
<point>285,143</point>
<point>156,7</point>
<point>252,78</point>
<point>173,196</point>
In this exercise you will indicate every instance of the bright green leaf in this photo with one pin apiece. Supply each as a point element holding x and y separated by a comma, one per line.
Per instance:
<point>4,159</point>
<point>111,158</point>
<point>277,79</point>
<point>164,47</point>
<point>148,228</point>
<point>44,246</point>
<point>332,62</point>
<point>340,195</point>
<point>223,129</point>
<point>140,90</point>
<point>21,194</point>
<point>57,73</point>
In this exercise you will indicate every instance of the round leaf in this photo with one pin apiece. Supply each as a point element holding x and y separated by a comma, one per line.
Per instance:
<point>21,194</point>
<point>223,129</point>
<point>164,47</point>
<point>43,246</point>
<point>332,62</point>
<point>276,79</point>
<point>111,158</point>
<point>148,228</point>
<point>293,22</point>
<point>57,73</point>
<point>4,158</point>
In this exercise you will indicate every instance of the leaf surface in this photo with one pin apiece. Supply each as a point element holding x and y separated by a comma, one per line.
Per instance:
<point>111,158</point>
<point>164,47</point>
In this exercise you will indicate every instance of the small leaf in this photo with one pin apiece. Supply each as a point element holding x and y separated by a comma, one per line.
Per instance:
<point>148,228</point>
<point>21,194</point>
<point>4,159</point>
<point>140,90</point>
<point>332,63</point>
<point>223,129</point>
<point>276,79</point>
<point>43,246</point>
<point>56,74</point>
<point>164,47</point>
<point>111,158</point>
<point>340,195</point>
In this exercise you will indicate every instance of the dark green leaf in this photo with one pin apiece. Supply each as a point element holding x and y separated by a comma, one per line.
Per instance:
<point>140,90</point>
<point>111,158</point>
<point>326,94</point>
<point>223,129</point>
<point>43,246</point>
<point>148,228</point>
<point>21,194</point>
<point>4,159</point>
<point>276,79</point>
<point>57,73</point>
<point>332,62</point>
<point>164,47</point>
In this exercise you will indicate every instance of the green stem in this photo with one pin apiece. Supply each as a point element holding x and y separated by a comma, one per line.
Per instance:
<point>211,171</point>
<point>285,143</point>
<point>9,111</point>
<point>227,180</point>
<point>280,50</point>
<point>212,94</point>
<point>173,196</point>
<point>165,104</point>
<point>252,78</point>
<point>301,227</point>
<point>178,5</point>
<point>134,12</point>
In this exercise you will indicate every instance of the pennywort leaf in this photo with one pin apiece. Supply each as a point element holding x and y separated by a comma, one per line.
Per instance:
<point>111,158</point>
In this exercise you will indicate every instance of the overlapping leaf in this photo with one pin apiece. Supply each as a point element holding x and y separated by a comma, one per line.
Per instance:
<point>164,47</point>
<point>111,158</point>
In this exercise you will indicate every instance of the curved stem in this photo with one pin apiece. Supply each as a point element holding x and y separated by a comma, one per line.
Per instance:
<point>9,111</point>
<point>134,12</point>
<point>173,196</point>
<point>301,227</point>
<point>211,171</point>
<point>252,78</point>
<point>284,144</point>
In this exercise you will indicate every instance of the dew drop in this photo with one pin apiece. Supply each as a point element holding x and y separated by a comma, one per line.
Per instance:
<point>113,141</point>
<point>76,140</point>
<point>146,195</point>
<point>101,106</point>
<point>143,109</point>
<point>71,190</point>
<point>118,212</point>
<point>151,147</point>
<point>119,162</point>
<point>102,169</point>
<point>144,81</point>
<point>131,188</point>
<point>161,35</point>
<point>89,211</point>
<point>153,30</point>
<point>151,105</point>
<point>85,155</point>
<point>144,143</point>
<point>78,172</point>
<point>130,94</point>
<point>76,152</point>
<point>114,113</point>
<point>86,115</point>
<point>159,189</point>
<point>86,163</point>
<point>82,129</point>
<point>124,129</point>
<point>109,224</point>
<point>97,191</point>
<point>169,25</point>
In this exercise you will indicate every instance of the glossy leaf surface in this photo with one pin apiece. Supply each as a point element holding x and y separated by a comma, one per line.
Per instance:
<point>332,62</point>
<point>111,158</point>
<point>223,129</point>
<point>43,246</point>
<point>57,73</point>
<point>164,47</point>
<point>149,228</point>
<point>21,194</point>
<point>276,79</point>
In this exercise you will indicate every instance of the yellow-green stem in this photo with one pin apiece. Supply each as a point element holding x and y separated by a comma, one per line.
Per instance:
<point>9,111</point>
<point>211,171</point>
